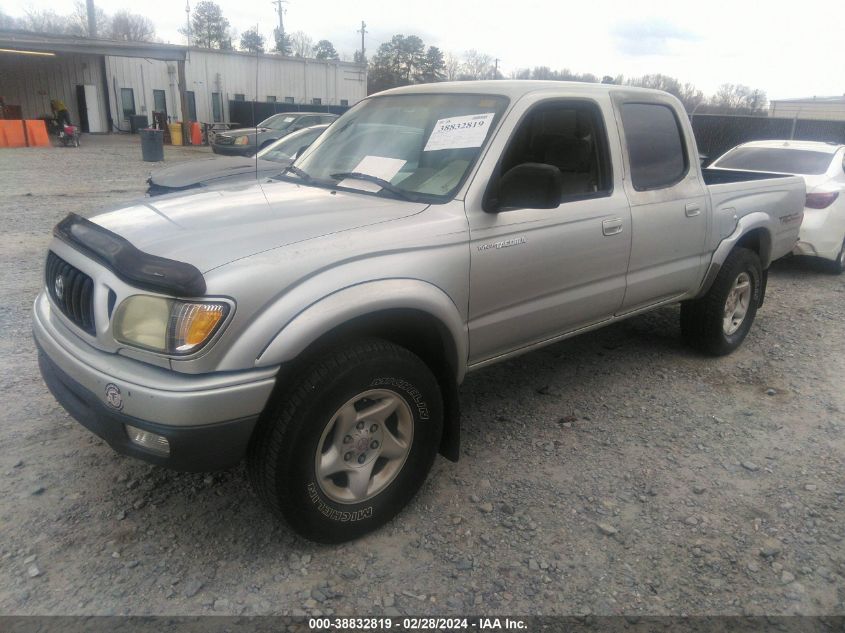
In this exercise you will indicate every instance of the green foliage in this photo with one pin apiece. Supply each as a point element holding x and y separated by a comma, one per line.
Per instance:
<point>209,29</point>
<point>252,41</point>
<point>324,49</point>
<point>405,60</point>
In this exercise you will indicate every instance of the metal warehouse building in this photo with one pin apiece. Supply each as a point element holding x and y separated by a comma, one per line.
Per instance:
<point>104,82</point>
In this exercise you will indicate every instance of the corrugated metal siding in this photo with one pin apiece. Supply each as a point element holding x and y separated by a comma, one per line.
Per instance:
<point>231,73</point>
<point>32,81</point>
<point>826,110</point>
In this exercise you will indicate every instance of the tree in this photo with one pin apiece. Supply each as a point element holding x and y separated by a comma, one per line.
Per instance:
<point>77,22</point>
<point>433,66</point>
<point>301,45</point>
<point>252,41</point>
<point>324,49</point>
<point>452,67</point>
<point>358,58</point>
<point>8,21</point>
<point>396,63</point>
<point>477,65</point>
<point>209,29</point>
<point>281,44</point>
<point>739,98</point>
<point>48,21</point>
<point>131,27</point>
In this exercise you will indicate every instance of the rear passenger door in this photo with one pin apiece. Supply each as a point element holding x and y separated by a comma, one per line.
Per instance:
<point>538,273</point>
<point>668,201</point>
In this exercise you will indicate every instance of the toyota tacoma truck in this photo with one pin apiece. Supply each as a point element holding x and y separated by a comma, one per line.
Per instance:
<point>319,324</point>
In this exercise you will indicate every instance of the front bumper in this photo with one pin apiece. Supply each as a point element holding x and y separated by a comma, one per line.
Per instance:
<point>207,419</point>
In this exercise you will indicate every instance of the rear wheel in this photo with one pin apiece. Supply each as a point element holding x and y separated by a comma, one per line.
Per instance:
<point>350,443</point>
<point>718,322</point>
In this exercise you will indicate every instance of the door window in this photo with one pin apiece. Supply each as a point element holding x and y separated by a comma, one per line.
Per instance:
<point>127,101</point>
<point>192,105</point>
<point>567,135</point>
<point>655,145</point>
<point>216,107</point>
<point>159,101</point>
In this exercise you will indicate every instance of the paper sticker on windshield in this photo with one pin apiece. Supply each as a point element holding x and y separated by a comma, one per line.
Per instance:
<point>459,131</point>
<point>378,166</point>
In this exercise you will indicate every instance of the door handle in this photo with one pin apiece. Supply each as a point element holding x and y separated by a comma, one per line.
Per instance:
<point>692,209</point>
<point>611,227</point>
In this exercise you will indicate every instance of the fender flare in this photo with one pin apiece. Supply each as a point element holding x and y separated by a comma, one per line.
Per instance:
<point>747,223</point>
<point>359,300</point>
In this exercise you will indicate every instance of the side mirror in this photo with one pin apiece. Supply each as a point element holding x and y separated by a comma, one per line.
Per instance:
<point>529,186</point>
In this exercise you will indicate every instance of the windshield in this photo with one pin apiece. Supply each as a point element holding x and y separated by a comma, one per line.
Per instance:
<point>285,148</point>
<point>278,121</point>
<point>416,145</point>
<point>776,159</point>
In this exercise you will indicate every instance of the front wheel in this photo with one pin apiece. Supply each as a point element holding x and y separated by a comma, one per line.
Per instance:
<point>350,443</point>
<point>718,322</point>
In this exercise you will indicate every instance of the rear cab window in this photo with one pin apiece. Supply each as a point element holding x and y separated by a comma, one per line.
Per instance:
<point>656,151</point>
<point>782,160</point>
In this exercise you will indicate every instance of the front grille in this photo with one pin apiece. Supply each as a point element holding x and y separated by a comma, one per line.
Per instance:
<point>72,291</point>
<point>223,140</point>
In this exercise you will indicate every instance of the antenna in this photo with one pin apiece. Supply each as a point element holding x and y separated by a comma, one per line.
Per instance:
<point>254,122</point>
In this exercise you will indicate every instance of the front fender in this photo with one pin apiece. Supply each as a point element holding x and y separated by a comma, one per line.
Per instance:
<point>359,300</point>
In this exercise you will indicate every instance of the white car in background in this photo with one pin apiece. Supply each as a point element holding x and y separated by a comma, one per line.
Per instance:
<point>821,165</point>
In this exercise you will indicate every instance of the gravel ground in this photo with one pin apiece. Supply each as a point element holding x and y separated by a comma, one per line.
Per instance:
<point>613,473</point>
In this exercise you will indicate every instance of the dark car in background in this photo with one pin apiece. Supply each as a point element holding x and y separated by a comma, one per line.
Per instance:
<point>222,170</point>
<point>247,141</point>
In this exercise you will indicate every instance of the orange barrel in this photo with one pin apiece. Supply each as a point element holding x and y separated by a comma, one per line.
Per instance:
<point>196,134</point>
<point>175,133</point>
<point>13,132</point>
<point>36,133</point>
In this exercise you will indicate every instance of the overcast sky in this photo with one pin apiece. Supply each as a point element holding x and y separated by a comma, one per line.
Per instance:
<point>789,52</point>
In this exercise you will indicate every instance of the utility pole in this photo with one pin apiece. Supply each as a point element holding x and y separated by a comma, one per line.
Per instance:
<point>363,32</point>
<point>188,20</point>
<point>496,68</point>
<point>280,11</point>
<point>92,18</point>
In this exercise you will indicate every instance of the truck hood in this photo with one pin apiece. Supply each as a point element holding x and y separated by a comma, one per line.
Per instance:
<point>210,228</point>
<point>208,170</point>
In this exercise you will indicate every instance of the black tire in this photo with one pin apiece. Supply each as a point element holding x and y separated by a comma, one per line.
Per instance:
<point>282,458</point>
<point>702,320</point>
<point>837,267</point>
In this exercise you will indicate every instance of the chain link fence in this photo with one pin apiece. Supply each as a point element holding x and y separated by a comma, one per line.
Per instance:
<point>717,133</point>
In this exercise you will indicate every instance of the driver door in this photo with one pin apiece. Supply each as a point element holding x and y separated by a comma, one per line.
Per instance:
<point>539,273</point>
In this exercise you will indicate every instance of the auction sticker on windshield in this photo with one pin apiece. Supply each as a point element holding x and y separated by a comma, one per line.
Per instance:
<point>460,131</point>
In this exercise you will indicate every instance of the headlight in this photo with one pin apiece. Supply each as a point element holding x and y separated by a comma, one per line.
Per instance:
<point>242,140</point>
<point>167,326</point>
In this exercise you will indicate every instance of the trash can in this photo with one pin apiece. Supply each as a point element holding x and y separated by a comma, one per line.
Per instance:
<point>175,133</point>
<point>152,145</point>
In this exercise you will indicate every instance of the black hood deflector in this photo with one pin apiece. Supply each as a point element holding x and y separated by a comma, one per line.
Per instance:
<point>133,266</point>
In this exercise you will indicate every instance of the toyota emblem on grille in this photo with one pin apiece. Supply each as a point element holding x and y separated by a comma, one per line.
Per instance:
<point>59,286</point>
<point>113,396</point>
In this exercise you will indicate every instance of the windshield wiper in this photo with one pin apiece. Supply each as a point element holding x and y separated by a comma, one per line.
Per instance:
<point>296,171</point>
<point>381,182</point>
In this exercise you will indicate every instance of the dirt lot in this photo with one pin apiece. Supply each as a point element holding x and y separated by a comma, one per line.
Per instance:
<point>613,473</point>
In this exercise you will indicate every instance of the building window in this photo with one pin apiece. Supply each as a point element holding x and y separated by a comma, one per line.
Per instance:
<point>271,98</point>
<point>216,107</point>
<point>316,101</point>
<point>159,101</point>
<point>344,102</point>
<point>127,101</point>
<point>192,105</point>
<point>239,97</point>
<point>289,100</point>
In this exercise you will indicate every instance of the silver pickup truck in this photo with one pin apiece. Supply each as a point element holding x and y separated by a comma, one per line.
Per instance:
<point>319,325</point>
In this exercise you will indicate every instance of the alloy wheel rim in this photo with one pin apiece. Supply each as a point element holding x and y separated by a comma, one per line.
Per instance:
<point>737,304</point>
<point>364,446</point>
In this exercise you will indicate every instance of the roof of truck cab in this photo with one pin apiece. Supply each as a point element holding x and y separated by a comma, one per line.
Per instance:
<point>815,146</point>
<point>514,88</point>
